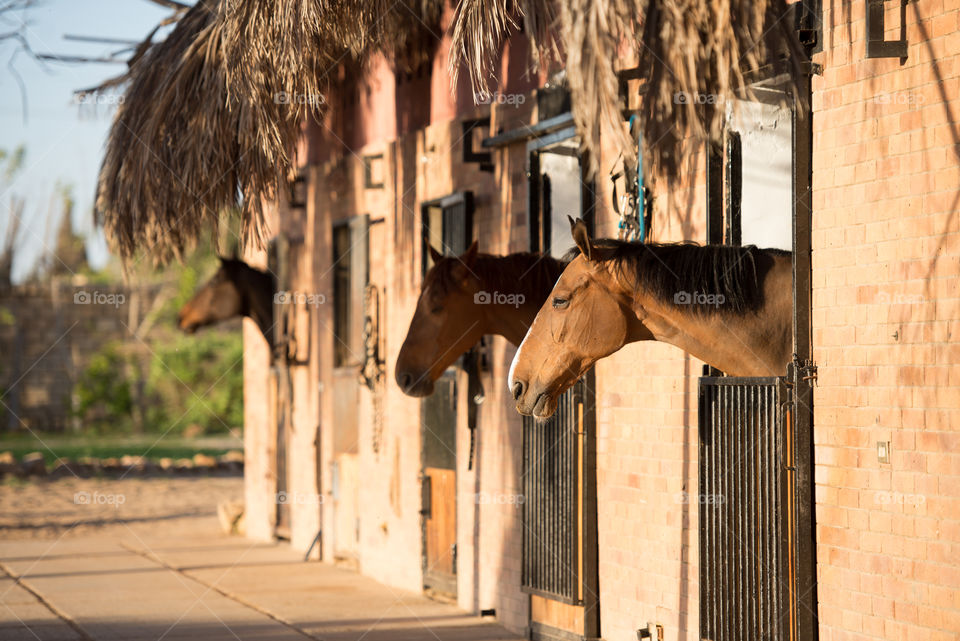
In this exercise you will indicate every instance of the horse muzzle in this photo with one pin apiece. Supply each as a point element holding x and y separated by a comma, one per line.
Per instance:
<point>416,385</point>
<point>187,325</point>
<point>537,404</point>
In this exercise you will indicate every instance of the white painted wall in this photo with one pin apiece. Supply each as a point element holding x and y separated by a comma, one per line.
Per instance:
<point>766,136</point>
<point>564,172</point>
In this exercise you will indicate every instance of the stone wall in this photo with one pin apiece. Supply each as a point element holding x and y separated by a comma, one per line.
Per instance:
<point>47,337</point>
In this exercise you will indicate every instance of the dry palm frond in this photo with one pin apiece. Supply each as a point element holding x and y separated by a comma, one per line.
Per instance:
<point>693,55</point>
<point>212,112</point>
<point>169,153</point>
<point>481,27</point>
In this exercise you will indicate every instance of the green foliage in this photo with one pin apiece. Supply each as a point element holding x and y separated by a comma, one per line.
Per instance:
<point>197,380</point>
<point>187,382</point>
<point>103,394</point>
<point>75,446</point>
<point>172,381</point>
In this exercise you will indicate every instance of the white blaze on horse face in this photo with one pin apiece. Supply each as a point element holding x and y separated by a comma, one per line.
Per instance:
<point>513,363</point>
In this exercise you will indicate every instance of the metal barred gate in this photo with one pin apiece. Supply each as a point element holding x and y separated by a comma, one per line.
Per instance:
<point>550,482</point>
<point>559,542</point>
<point>749,544</point>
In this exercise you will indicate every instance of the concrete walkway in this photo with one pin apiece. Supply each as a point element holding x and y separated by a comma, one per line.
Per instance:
<point>128,586</point>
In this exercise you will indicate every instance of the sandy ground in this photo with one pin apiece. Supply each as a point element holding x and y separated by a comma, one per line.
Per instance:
<point>40,509</point>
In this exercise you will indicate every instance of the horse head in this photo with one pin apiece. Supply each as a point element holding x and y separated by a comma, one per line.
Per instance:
<point>217,300</point>
<point>446,323</point>
<point>586,317</point>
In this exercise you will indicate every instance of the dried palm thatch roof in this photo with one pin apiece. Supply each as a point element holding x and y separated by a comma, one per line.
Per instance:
<point>211,112</point>
<point>685,50</point>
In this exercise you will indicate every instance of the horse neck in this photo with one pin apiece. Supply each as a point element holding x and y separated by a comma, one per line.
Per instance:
<point>534,280</point>
<point>510,322</point>
<point>256,289</point>
<point>749,344</point>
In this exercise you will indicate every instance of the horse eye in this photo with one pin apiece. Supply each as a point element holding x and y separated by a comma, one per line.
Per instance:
<point>560,303</point>
<point>436,310</point>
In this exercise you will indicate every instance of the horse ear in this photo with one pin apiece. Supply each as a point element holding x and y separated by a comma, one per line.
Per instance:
<point>434,254</point>
<point>470,255</point>
<point>578,229</point>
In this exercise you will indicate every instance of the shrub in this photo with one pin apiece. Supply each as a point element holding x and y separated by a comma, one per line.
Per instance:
<point>103,397</point>
<point>196,380</point>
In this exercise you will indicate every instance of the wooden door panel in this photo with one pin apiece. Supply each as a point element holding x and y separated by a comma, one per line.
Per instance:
<point>440,530</point>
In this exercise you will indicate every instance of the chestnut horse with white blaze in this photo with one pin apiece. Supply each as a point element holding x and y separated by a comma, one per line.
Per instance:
<point>464,298</point>
<point>731,307</point>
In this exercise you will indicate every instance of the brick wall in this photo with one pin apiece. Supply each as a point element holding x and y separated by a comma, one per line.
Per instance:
<point>886,254</point>
<point>647,449</point>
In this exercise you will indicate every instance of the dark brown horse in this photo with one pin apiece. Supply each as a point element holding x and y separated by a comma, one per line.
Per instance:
<point>237,289</point>
<point>728,306</point>
<point>462,299</point>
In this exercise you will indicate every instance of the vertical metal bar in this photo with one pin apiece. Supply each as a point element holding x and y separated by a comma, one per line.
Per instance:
<point>765,525</point>
<point>591,571</point>
<point>715,485</point>
<point>527,504</point>
<point>714,193</point>
<point>718,475</point>
<point>704,532</point>
<point>725,521</point>
<point>573,479</point>
<point>744,562</point>
<point>722,520</point>
<point>752,520</point>
<point>533,201</point>
<point>570,500</point>
<point>736,393</point>
<point>557,464</point>
<point>709,482</point>
<point>774,517</point>
<point>558,516</point>
<point>749,503</point>
<point>734,188</point>
<point>803,406</point>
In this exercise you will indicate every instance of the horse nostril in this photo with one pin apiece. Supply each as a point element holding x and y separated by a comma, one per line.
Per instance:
<point>518,390</point>
<point>404,380</point>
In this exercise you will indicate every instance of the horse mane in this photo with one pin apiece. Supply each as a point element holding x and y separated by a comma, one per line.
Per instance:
<point>665,270</point>
<point>532,275</point>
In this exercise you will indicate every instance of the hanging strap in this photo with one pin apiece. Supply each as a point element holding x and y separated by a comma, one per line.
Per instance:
<point>629,207</point>
<point>475,394</point>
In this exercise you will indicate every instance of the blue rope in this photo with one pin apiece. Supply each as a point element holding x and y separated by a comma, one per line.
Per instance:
<point>639,186</point>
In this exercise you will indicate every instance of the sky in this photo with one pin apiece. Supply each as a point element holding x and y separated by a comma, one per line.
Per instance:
<point>64,140</point>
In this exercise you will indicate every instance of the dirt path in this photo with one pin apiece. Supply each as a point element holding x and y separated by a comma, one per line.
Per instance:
<point>52,508</point>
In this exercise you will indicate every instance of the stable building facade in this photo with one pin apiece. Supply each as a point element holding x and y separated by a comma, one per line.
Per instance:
<point>857,532</point>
